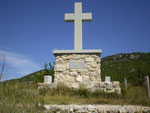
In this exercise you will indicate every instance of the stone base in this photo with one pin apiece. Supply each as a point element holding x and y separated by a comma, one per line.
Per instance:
<point>46,86</point>
<point>107,87</point>
<point>77,67</point>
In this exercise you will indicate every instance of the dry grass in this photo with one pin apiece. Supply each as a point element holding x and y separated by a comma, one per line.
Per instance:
<point>18,97</point>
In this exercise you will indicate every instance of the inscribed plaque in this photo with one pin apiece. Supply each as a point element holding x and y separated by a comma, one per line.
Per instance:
<point>76,64</point>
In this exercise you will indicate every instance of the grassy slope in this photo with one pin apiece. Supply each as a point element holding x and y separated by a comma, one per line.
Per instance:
<point>131,66</point>
<point>16,97</point>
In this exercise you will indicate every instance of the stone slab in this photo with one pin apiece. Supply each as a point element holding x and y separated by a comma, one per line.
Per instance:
<point>48,79</point>
<point>107,78</point>
<point>76,64</point>
<point>88,51</point>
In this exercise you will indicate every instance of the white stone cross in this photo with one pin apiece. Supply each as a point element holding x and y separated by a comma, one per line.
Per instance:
<point>78,17</point>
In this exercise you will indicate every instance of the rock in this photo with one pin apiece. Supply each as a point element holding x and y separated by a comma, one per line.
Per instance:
<point>90,108</point>
<point>74,85</point>
<point>98,72</point>
<point>92,74</point>
<point>79,78</point>
<point>118,90</point>
<point>98,60</point>
<point>69,78</point>
<point>71,110</point>
<point>93,79</point>
<point>60,61</point>
<point>60,67</point>
<point>90,68</point>
<point>65,72</point>
<point>102,85</point>
<point>67,66</point>
<point>110,90</point>
<point>134,56</point>
<point>73,73</point>
<point>93,64</point>
<point>85,78</point>
<point>109,86</point>
<point>116,83</point>
<point>65,57</point>
<point>91,85</point>
<point>90,59</point>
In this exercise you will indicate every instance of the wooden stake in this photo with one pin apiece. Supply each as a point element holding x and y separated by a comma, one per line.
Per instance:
<point>125,83</point>
<point>147,85</point>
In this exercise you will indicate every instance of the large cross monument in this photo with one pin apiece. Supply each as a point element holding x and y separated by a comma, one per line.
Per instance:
<point>78,66</point>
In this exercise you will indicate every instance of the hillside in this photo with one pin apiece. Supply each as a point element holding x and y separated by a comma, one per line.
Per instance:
<point>133,66</point>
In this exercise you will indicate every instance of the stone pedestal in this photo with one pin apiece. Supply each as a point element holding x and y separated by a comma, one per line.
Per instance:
<point>77,69</point>
<point>77,66</point>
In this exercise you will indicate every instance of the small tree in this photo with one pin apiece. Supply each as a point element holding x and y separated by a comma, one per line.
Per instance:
<point>51,71</point>
<point>46,70</point>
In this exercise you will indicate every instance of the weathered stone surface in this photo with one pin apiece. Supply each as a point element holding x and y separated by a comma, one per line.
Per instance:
<point>115,83</point>
<point>91,68</point>
<point>93,64</point>
<point>98,60</point>
<point>109,86</point>
<point>92,86</point>
<point>60,61</point>
<point>65,72</point>
<point>102,85</point>
<point>60,67</point>
<point>92,74</point>
<point>69,78</point>
<point>74,85</point>
<point>118,90</point>
<point>85,78</point>
<point>90,59</point>
<point>73,73</point>
<point>79,79</point>
<point>97,108</point>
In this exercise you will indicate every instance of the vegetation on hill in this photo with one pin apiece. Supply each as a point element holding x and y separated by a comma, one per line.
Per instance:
<point>133,66</point>
<point>38,76</point>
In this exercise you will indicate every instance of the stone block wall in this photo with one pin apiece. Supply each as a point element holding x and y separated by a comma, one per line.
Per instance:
<point>90,73</point>
<point>107,87</point>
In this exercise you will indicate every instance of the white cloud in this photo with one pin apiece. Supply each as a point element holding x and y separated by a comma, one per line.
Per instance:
<point>18,64</point>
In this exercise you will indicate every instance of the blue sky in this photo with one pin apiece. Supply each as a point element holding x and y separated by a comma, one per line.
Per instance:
<point>31,29</point>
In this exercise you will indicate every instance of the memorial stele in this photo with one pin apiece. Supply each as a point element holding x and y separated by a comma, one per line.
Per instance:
<point>78,67</point>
